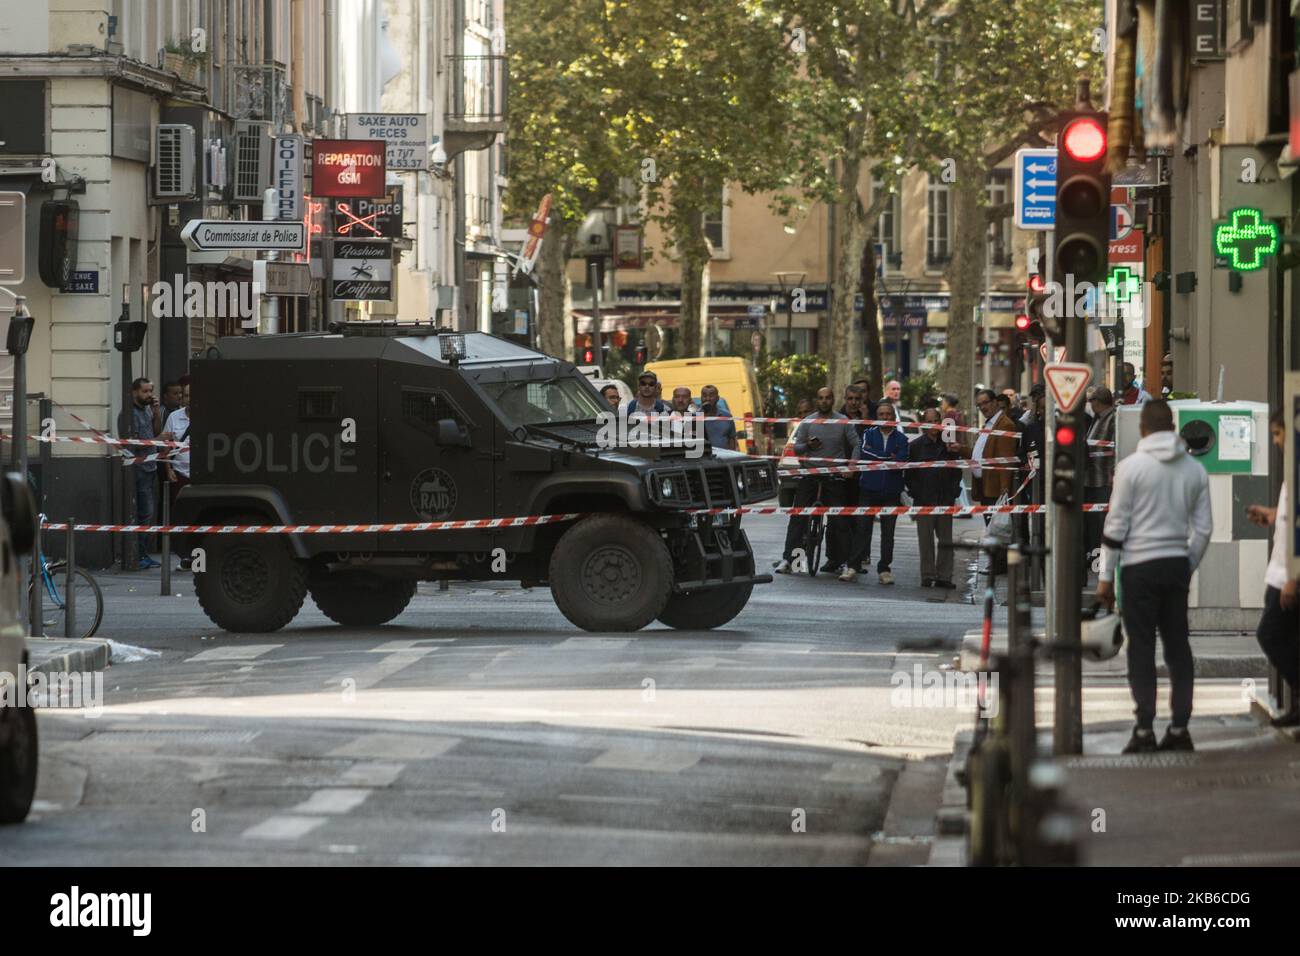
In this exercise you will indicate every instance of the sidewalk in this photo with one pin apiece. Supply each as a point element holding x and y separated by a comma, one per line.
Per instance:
<point>1234,801</point>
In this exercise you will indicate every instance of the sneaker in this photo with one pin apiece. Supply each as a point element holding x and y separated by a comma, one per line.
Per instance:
<point>781,567</point>
<point>829,568</point>
<point>146,563</point>
<point>1176,741</point>
<point>943,584</point>
<point>886,577</point>
<point>848,575</point>
<point>1142,742</point>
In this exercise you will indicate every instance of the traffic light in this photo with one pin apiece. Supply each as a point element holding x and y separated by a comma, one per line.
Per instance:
<point>639,356</point>
<point>1082,199</point>
<point>1067,459</point>
<point>589,356</point>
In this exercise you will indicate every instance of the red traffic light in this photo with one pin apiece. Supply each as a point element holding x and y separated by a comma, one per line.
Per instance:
<point>589,357</point>
<point>1022,323</point>
<point>1084,139</point>
<point>1036,283</point>
<point>1065,435</point>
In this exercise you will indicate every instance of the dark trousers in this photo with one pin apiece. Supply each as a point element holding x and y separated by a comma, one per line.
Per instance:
<point>936,563</point>
<point>1279,637</point>
<point>805,494</point>
<point>842,534</point>
<point>1093,522</point>
<point>146,502</point>
<point>1155,599</point>
<point>862,551</point>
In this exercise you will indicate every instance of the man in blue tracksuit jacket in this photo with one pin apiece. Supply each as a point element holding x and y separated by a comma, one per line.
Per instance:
<point>879,487</point>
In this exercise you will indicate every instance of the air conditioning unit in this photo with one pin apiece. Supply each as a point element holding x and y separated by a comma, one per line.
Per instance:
<point>253,148</point>
<point>175,168</point>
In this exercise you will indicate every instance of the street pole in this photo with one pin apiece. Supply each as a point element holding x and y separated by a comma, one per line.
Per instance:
<point>984,312</point>
<point>130,557</point>
<point>593,267</point>
<point>1049,442</point>
<point>1067,728</point>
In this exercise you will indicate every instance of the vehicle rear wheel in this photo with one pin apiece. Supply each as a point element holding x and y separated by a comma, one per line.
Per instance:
<point>251,583</point>
<point>707,609</point>
<point>610,572</point>
<point>359,599</point>
<point>18,762</point>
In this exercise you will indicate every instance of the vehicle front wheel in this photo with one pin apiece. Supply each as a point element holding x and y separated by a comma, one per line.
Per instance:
<point>610,572</point>
<point>358,599</point>
<point>707,609</point>
<point>18,761</point>
<point>251,583</point>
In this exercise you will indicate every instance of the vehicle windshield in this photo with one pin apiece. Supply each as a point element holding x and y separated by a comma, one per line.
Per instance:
<point>540,403</point>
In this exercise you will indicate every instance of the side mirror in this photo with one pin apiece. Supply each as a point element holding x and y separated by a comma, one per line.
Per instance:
<point>451,435</point>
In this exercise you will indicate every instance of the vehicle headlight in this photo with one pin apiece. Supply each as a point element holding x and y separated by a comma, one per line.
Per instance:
<point>666,487</point>
<point>740,482</point>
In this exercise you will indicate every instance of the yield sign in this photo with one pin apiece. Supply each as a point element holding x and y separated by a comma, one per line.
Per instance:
<point>1045,350</point>
<point>1067,380</point>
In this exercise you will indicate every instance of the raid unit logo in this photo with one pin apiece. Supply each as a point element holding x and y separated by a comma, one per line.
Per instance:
<point>433,494</point>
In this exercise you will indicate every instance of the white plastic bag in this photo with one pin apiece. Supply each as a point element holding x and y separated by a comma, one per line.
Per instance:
<point>999,529</point>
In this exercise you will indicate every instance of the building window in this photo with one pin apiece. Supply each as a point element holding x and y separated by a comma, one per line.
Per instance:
<point>999,192</point>
<point>23,120</point>
<point>717,221</point>
<point>886,232</point>
<point>938,226</point>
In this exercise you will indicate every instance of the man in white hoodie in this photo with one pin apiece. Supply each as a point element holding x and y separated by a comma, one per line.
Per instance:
<point>1159,524</point>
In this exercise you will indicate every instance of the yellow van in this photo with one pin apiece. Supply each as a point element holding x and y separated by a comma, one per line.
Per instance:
<point>733,376</point>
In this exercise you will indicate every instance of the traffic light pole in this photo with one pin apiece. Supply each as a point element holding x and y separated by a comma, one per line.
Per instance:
<point>1067,555</point>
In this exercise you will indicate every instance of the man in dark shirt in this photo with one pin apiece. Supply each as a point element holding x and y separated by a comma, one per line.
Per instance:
<point>934,486</point>
<point>829,440</point>
<point>143,421</point>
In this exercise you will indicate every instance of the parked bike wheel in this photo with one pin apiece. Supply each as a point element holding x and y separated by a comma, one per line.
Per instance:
<point>90,602</point>
<point>812,544</point>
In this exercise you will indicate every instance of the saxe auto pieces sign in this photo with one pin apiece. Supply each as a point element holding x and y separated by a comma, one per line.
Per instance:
<point>348,169</point>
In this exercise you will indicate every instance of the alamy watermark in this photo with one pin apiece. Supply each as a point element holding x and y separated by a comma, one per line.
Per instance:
<point>210,299</point>
<point>72,690</point>
<point>945,689</point>
<point>654,430</point>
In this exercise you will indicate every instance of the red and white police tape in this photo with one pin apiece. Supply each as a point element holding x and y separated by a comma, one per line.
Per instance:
<point>469,524</point>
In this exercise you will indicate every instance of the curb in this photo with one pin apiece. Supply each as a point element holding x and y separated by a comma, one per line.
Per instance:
<point>952,819</point>
<point>49,656</point>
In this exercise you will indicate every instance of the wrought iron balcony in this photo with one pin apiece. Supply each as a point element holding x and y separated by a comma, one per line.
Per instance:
<point>477,111</point>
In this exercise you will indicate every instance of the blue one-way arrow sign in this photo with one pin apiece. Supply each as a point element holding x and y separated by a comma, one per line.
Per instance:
<point>1035,188</point>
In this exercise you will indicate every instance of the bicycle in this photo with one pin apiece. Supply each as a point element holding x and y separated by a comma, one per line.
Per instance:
<point>89,600</point>
<point>812,539</point>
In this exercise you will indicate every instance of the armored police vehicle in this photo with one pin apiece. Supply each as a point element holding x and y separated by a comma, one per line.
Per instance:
<point>376,423</point>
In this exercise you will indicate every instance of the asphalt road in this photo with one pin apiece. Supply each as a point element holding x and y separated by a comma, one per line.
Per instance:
<point>481,727</point>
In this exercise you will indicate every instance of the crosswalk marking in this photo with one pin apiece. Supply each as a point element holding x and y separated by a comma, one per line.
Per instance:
<point>333,800</point>
<point>658,761</point>
<point>373,774</point>
<point>283,827</point>
<point>235,652</point>
<point>396,746</point>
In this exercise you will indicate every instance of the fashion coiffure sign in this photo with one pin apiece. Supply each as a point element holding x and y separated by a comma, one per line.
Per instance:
<point>348,168</point>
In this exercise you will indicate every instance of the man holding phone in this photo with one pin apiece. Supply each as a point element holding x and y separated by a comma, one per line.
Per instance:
<point>828,440</point>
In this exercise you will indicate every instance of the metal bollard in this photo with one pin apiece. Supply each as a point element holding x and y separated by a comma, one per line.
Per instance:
<point>69,587</point>
<point>166,540</point>
<point>37,609</point>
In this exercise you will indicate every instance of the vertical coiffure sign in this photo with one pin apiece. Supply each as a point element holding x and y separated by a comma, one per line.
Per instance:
<point>288,177</point>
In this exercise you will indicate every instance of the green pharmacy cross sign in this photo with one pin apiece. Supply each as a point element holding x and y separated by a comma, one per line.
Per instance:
<point>1246,240</point>
<point>1122,284</point>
